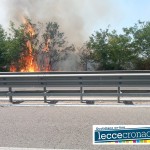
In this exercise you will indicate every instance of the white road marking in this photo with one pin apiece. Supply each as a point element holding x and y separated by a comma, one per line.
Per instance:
<point>16,148</point>
<point>72,105</point>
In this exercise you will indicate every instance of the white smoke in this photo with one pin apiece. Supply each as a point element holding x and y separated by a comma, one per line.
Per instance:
<point>75,17</point>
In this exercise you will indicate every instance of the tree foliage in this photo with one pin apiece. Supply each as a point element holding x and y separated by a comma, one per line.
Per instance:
<point>2,49</point>
<point>48,48</point>
<point>85,57</point>
<point>15,45</point>
<point>140,34</point>
<point>108,49</point>
<point>129,50</point>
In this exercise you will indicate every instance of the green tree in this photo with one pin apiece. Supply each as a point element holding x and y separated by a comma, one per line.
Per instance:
<point>142,39</point>
<point>3,49</point>
<point>140,34</point>
<point>112,51</point>
<point>121,53</point>
<point>99,46</point>
<point>15,45</point>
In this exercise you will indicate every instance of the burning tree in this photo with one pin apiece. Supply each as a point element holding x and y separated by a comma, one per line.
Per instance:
<point>54,47</point>
<point>26,37</point>
<point>28,57</point>
<point>38,55</point>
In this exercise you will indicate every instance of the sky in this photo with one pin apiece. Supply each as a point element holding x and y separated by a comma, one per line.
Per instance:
<point>78,18</point>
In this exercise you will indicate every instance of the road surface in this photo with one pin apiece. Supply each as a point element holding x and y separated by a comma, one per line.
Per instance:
<point>65,127</point>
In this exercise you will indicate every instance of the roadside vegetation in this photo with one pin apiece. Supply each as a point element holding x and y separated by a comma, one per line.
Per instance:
<point>105,49</point>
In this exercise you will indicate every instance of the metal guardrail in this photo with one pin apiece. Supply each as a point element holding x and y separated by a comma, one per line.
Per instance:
<point>74,79</point>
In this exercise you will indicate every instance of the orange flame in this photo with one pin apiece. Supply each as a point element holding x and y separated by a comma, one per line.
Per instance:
<point>13,68</point>
<point>46,48</point>
<point>30,64</point>
<point>28,60</point>
<point>28,27</point>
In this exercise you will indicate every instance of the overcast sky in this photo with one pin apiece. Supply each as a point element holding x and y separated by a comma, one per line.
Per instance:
<point>92,14</point>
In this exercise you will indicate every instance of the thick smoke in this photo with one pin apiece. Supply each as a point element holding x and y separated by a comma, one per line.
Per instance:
<point>75,17</point>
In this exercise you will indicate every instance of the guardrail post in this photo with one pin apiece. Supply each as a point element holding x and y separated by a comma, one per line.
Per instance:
<point>81,90</point>
<point>119,94</point>
<point>10,96</point>
<point>45,99</point>
<point>81,96</point>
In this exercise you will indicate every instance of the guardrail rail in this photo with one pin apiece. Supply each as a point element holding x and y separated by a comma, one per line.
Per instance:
<point>80,80</point>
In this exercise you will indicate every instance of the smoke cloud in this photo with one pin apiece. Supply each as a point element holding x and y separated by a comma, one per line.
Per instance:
<point>75,17</point>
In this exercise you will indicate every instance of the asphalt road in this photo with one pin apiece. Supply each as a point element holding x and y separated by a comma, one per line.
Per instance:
<point>65,127</point>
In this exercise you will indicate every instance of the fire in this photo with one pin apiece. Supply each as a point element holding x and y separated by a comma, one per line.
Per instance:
<point>46,48</point>
<point>46,65</point>
<point>28,56</point>
<point>30,64</point>
<point>13,68</point>
<point>28,27</point>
